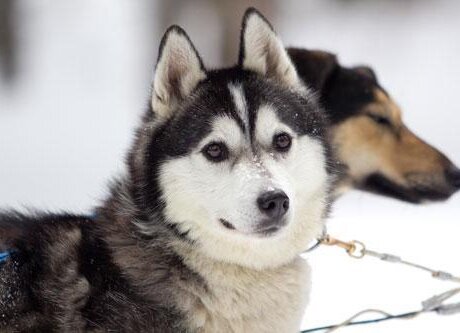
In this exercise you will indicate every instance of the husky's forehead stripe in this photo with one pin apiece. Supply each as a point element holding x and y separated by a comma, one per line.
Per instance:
<point>236,90</point>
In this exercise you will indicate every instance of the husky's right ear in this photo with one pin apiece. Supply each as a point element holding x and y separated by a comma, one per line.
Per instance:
<point>178,71</point>
<point>261,51</point>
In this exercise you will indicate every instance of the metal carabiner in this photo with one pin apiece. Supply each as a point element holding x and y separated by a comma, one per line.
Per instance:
<point>354,249</point>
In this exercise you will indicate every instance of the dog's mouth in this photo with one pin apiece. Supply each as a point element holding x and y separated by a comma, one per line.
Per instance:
<point>379,184</point>
<point>265,232</point>
<point>227,224</point>
<point>267,229</point>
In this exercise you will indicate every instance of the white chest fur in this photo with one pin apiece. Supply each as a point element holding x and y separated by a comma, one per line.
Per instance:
<point>245,300</point>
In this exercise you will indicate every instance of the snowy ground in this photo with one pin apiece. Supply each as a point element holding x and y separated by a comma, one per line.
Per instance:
<point>83,80</point>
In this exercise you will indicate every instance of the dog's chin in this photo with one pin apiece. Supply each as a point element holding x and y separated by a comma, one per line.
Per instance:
<point>261,231</point>
<point>379,184</point>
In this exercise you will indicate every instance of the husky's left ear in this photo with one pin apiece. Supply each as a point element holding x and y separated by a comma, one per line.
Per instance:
<point>262,51</point>
<point>178,71</point>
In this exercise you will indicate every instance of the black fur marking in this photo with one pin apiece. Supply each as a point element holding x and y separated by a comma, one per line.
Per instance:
<point>344,92</point>
<point>314,67</point>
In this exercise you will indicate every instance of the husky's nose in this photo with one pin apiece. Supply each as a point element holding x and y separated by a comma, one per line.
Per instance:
<point>453,176</point>
<point>273,204</point>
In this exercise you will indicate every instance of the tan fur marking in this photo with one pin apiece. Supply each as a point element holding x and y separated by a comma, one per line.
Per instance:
<point>396,152</point>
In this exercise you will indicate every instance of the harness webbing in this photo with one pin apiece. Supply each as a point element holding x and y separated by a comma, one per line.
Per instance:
<point>4,256</point>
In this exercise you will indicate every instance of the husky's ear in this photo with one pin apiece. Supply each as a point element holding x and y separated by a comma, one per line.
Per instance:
<point>262,51</point>
<point>178,71</point>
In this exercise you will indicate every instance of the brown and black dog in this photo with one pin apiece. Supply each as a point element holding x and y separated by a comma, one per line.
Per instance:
<point>379,152</point>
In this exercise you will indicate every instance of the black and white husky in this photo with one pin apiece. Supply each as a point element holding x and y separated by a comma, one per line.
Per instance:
<point>227,184</point>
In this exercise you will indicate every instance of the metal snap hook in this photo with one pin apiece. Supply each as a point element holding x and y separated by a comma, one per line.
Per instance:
<point>356,250</point>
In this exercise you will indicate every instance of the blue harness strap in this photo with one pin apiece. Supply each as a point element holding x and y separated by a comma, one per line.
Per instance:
<point>4,256</point>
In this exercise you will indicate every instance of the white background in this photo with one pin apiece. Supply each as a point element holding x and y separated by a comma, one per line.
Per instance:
<point>83,80</point>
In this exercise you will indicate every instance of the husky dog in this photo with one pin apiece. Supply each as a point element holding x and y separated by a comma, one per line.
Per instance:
<point>227,184</point>
<point>379,153</point>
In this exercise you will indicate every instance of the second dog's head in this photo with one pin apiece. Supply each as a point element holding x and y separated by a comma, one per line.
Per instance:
<point>379,152</point>
<point>234,160</point>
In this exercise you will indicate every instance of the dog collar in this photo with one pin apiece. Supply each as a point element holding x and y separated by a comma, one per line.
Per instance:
<point>320,240</point>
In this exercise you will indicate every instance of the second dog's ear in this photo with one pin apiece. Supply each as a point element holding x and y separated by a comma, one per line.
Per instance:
<point>178,71</point>
<point>366,71</point>
<point>314,67</point>
<point>261,50</point>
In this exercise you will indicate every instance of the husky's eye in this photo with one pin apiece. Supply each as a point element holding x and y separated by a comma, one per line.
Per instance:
<point>215,151</point>
<point>381,120</point>
<point>282,142</point>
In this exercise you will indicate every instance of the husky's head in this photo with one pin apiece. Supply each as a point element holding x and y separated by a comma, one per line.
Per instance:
<point>234,160</point>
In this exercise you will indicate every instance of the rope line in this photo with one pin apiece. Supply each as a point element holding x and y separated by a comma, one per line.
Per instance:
<point>436,303</point>
<point>437,274</point>
<point>433,304</point>
<point>358,250</point>
<point>350,322</point>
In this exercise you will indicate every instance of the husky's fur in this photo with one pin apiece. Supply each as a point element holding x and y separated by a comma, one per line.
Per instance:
<point>181,245</point>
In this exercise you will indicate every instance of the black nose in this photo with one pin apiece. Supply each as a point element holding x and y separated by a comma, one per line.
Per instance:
<point>453,176</point>
<point>273,204</point>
